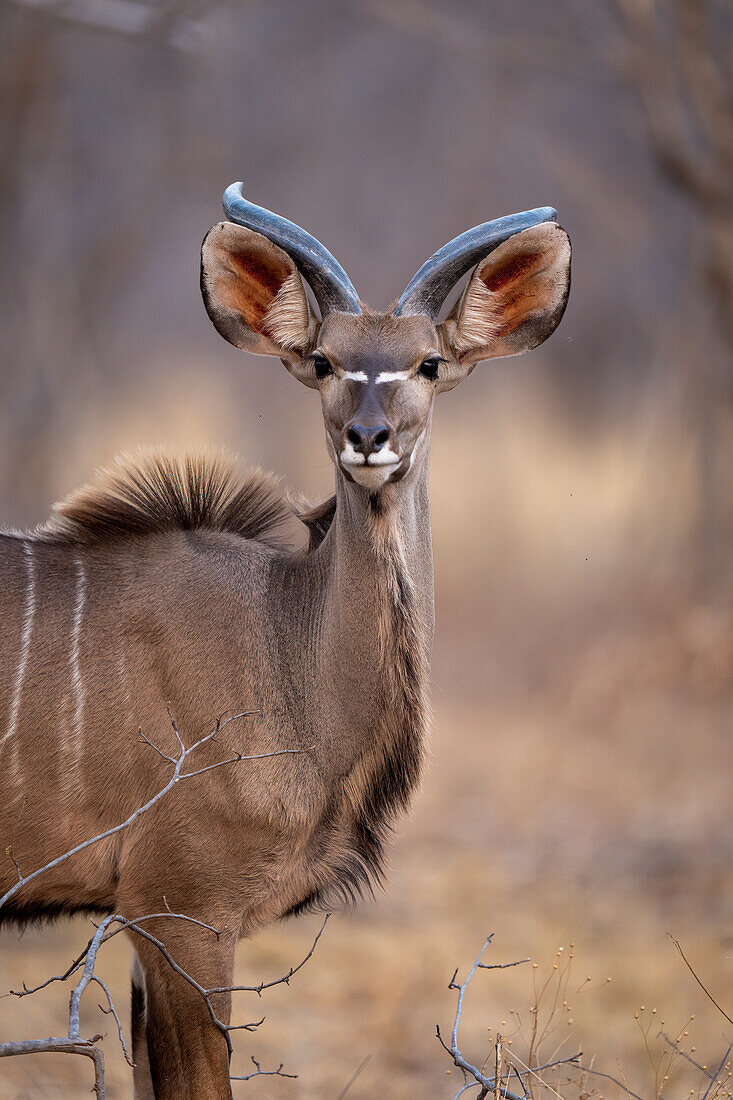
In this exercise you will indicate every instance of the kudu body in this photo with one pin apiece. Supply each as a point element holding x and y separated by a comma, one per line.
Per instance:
<point>163,585</point>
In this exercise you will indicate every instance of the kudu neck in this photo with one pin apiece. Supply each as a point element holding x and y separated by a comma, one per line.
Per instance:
<point>378,538</point>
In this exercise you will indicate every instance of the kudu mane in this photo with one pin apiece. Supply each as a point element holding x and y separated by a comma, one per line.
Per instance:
<point>155,490</point>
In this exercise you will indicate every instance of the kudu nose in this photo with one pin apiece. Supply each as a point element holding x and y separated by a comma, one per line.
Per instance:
<point>367,439</point>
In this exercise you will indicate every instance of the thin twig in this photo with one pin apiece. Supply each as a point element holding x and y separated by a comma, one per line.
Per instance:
<point>717,1073</point>
<point>609,1077</point>
<point>706,991</point>
<point>683,1053</point>
<point>111,1009</point>
<point>276,981</point>
<point>353,1078</point>
<point>264,1072</point>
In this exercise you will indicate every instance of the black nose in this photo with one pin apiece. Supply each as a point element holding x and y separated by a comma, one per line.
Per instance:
<point>367,438</point>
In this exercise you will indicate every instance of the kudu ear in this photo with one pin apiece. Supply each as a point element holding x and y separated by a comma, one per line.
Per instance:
<point>514,299</point>
<point>253,293</point>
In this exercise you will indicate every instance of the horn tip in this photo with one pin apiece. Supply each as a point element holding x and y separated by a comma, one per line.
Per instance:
<point>233,192</point>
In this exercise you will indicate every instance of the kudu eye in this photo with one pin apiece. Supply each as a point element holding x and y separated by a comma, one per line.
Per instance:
<point>429,367</point>
<point>322,366</point>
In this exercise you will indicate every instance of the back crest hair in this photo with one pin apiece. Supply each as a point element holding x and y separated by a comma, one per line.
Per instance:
<point>153,491</point>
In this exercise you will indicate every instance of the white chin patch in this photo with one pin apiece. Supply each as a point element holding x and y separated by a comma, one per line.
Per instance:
<point>371,477</point>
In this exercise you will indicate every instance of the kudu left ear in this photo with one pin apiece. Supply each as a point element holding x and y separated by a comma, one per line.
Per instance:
<point>254,294</point>
<point>252,271</point>
<point>514,299</point>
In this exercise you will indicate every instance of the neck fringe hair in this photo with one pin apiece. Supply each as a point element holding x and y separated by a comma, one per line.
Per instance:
<point>153,491</point>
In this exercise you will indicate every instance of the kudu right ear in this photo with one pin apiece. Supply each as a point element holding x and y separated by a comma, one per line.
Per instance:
<point>254,294</point>
<point>515,297</point>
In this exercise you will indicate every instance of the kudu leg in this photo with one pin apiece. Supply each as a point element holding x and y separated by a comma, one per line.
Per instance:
<point>142,1081</point>
<point>184,1055</point>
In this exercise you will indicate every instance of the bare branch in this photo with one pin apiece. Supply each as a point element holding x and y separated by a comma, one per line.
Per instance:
<point>111,1009</point>
<point>63,1045</point>
<point>486,1084</point>
<point>610,1077</point>
<point>682,1053</point>
<point>717,1073</point>
<point>108,928</point>
<point>264,1072</point>
<point>354,1077</point>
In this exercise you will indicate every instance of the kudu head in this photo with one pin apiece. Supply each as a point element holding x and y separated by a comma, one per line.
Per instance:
<point>377,373</point>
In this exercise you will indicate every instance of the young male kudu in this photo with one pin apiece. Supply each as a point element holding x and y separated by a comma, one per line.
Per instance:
<point>164,584</point>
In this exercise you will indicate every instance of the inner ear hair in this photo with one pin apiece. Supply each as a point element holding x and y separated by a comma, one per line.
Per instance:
<point>480,317</point>
<point>288,320</point>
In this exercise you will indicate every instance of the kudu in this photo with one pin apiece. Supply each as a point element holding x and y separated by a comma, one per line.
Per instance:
<point>163,585</point>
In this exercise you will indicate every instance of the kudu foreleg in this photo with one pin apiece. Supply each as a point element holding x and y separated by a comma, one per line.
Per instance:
<point>179,1051</point>
<point>142,1081</point>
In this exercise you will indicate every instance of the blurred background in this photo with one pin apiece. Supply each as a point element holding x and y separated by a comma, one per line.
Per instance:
<point>579,791</point>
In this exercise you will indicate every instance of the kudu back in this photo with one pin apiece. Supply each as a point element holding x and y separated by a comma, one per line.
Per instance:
<point>165,585</point>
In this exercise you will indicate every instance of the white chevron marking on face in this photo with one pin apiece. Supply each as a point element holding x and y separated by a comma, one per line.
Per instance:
<point>417,447</point>
<point>392,376</point>
<point>383,376</point>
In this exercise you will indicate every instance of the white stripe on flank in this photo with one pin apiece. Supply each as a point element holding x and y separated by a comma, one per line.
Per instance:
<point>76,680</point>
<point>356,375</point>
<point>393,376</point>
<point>25,645</point>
